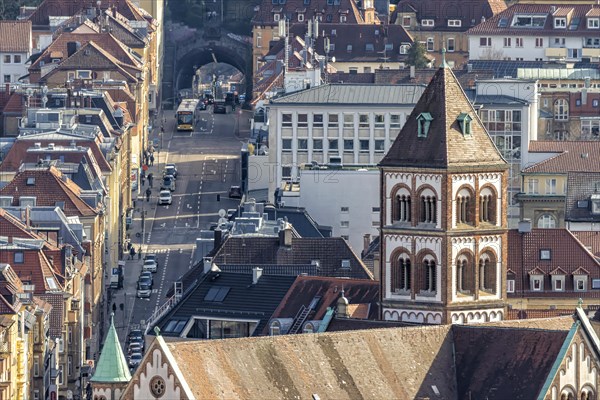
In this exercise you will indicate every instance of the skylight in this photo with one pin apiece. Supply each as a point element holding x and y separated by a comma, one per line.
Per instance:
<point>51,283</point>
<point>217,294</point>
<point>528,21</point>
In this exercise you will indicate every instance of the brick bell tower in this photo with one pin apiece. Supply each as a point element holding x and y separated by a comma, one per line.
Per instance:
<point>443,214</point>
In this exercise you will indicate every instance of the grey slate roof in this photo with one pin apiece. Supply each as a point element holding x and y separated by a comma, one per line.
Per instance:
<point>354,94</point>
<point>580,186</point>
<point>243,301</point>
<point>301,221</point>
<point>288,270</point>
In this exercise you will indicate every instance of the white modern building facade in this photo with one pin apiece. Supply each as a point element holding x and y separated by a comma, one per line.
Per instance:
<point>539,32</point>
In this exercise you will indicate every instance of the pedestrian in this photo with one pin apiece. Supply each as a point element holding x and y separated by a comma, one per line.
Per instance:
<point>148,193</point>
<point>139,253</point>
<point>132,253</point>
<point>128,245</point>
<point>150,179</point>
<point>151,159</point>
<point>143,180</point>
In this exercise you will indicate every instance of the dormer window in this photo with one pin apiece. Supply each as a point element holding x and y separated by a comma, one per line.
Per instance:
<point>593,23</point>
<point>423,123</point>
<point>300,17</point>
<point>454,23</point>
<point>595,199</point>
<point>276,17</point>
<point>464,120</point>
<point>427,22</point>
<point>342,18</point>
<point>560,23</point>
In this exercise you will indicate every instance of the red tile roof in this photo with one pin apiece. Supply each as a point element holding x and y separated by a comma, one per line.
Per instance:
<point>566,253</point>
<point>266,10</point>
<point>491,26</point>
<point>68,8</point>
<point>36,269</point>
<point>574,156</point>
<point>50,186</point>
<point>15,36</point>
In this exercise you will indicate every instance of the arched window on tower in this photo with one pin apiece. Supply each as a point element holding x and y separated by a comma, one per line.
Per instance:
<point>464,275</point>
<point>487,273</point>
<point>401,211</point>
<point>401,274</point>
<point>465,207</point>
<point>428,275</point>
<point>487,206</point>
<point>428,207</point>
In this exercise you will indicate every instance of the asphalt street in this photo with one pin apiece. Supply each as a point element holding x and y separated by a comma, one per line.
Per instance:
<point>208,163</point>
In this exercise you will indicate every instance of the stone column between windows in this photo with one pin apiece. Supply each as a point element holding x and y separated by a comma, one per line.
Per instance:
<point>371,138</point>
<point>279,159</point>
<point>476,270</point>
<point>356,149</point>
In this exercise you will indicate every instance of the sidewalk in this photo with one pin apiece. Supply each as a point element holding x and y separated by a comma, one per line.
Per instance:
<point>124,299</point>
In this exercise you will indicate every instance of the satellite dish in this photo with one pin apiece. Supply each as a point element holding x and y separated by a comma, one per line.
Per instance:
<point>223,221</point>
<point>222,212</point>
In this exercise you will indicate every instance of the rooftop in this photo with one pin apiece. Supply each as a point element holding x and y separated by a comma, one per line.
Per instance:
<point>15,37</point>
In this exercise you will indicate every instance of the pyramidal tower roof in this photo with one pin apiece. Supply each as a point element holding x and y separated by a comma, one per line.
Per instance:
<point>433,135</point>
<point>112,365</point>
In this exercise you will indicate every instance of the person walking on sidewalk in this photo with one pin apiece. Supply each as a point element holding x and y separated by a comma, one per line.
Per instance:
<point>139,253</point>
<point>132,253</point>
<point>150,179</point>
<point>148,193</point>
<point>151,159</point>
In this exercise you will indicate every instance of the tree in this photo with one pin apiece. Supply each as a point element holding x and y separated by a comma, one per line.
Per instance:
<point>416,56</point>
<point>9,9</point>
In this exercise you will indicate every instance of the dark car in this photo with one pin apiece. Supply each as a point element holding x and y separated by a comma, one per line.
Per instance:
<point>147,274</point>
<point>219,109</point>
<point>201,106</point>
<point>135,335</point>
<point>235,192</point>
<point>170,169</point>
<point>168,183</point>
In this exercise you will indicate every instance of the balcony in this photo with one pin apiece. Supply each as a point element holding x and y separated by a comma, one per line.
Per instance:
<point>590,52</point>
<point>556,52</point>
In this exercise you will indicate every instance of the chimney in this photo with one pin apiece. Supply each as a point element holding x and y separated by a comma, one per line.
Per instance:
<point>366,242</point>
<point>27,217</point>
<point>207,261</point>
<point>256,274</point>
<point>285,237</point>
<point>218,237</point>
<point>342,306</point>
<point>525,226</point>
<point>412,72</point>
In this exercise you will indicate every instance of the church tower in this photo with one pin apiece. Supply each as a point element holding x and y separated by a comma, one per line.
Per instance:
<point>443,214</point>
<point>112,373</point>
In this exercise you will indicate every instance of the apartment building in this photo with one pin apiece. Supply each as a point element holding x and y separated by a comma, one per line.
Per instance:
<point>15,50</point>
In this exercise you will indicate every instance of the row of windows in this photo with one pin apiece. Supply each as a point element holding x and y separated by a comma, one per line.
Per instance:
<point>12,59</point>
<point>334,121</point>
<point>328,18</point>
<point>533,186</point>
<point>537,283</point>
<point>364,145</point>
<point>402,276</point>
<point>465,207</point>
<point>451,23</point>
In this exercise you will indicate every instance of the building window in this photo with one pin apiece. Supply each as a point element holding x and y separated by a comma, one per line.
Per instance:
<point>402,209</point>
<point>537,284</point>
<point>36,366</point>
<point>487,273</point>
<point>61,372</point>
<point>276,17</point>
<point>84,74</point>
<point>363,120</point>
<point>348,120</point>
<point>6,78</point>
<point>364,145</point>
<point>348,145</point>
<point>379,145</point>
<point>258,39</point>
<point>404,48</point>
<point>401,274</point>
<point>302,120</point>
<point>7,59</point>
<point>18,257</point>
<point>17,59</point>
<point>558,281</point>
<point>455,23</point>
<point>158,387</point>
<point>539,42</point>
<point>318,145</point>
<point>560,23</point>
<point>345,210</point>
<point>559,41</point>
<point>349,48</point>
<point>427,22</point>
<point>507,42</point>
<point>518,42</point>
<point>332,121</point>
<point>487,206</point>
<point>369,47</point>
<point>450,47</point>
<point>394,121</point>
<point>286,144</point>
<point>302,145</point>
<point>464,275</point>
<point>345,224</point>
<point>464,120</point>
<point>485,42</point>
<point>510,285</point>
<point>317,120</point>
<point>430,44</point>
<point>379,121</point>
<point>406,22</point>
<point>333,145</point>
<point>593,23</point>
<point>532,186</point>
<point>580,283</point>
<point>551,186</point>
<point>286,120</point>
<point>465,207</point>
<point>546,221</point>
<point>428,210</point>
<point>343,18</point>
<point>286,172</point>
<point>429,276</point>
<point>545,254</point>
<point>561,110</point>
<point>300,17</point>
<point>590,128</point>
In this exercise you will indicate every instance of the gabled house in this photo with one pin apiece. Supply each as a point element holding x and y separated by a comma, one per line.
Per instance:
<point>550,269</point>
<point>555,358</point>
<point>15,50</point>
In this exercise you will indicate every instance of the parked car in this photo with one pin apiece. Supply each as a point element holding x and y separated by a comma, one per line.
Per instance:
<point>235,192</point>
<point>165,197</point>
<point>143,289</point>
<point>170,169</point>
<point>168,183</point>
<point>150,265</point>
<point>135,336</point>
<point>147,274</point>
<point>201,105</point>
<point>134,347</point>
<point>135,359</point>
<point>219,108</point>
<point>151,256</point>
